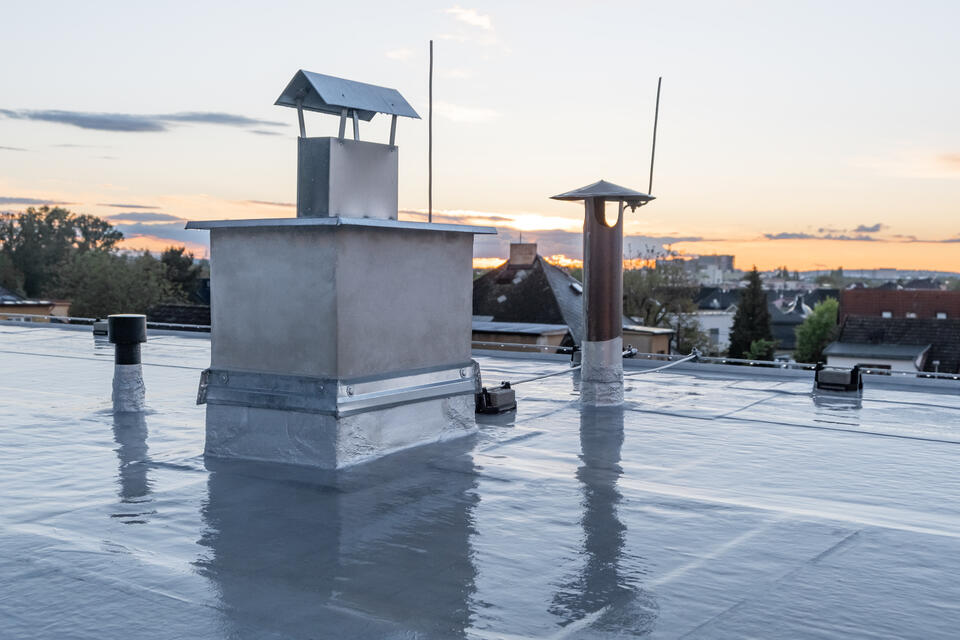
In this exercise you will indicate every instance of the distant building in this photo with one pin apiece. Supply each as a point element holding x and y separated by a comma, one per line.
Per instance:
<point>895,357</point>
<point>900,303</point>
<point>910,344</point>
<point>716,308</point>
<point>708,270</point>
<point>529,290</point>
<point>12,306</point>
<point>496,335</point>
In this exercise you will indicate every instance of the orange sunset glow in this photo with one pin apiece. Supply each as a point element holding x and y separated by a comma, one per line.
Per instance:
<point>799,255</point>
<point>156,245</point>
<point>809,255</point>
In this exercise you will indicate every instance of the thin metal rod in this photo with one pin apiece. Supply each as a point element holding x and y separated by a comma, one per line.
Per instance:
<point>653,150</point>
<point>393,130</point>
<point>430,143</point>
<point>343,123</point>
<point>356,126</point>
<point>303,130</point>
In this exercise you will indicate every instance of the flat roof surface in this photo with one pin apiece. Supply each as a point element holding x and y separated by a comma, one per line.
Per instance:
<point>720,506</point>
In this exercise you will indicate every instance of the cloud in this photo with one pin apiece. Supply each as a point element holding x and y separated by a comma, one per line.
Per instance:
<point>554,235</point>
<point>790,235</point>
<point>270,203</point>
<point>456,73</point>
<point>399,54</point>
<point>786,235</point>
<point>857,238</point>
<point>264,132</point>
<point>471,17</point>
<point>922,164</point>
<point>126,206</point>
<point>873,228</point>
<point>12,149</point>
<point>950,160</point>
<point>144,217</point>
<point>458,113</point>
<point>28,201</point>
<point>212,117</point>
<point>172,231</point>
<point>673,239</point>
<point>128,122</point>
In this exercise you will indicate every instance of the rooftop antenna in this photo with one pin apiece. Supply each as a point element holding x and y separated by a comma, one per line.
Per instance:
<point>653,150</point>
<point>430,144</point>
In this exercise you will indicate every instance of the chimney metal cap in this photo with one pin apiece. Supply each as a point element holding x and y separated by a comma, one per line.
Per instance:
<point>609,192</point>
<point>328,94</point>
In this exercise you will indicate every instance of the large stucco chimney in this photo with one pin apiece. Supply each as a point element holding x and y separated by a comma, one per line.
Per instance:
<point>342,334</point>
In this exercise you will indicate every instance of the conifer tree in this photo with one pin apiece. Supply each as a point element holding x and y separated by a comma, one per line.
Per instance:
<point>752,320</point>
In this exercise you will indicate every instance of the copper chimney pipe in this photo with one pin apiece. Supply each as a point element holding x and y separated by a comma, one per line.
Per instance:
<point>601,381</point>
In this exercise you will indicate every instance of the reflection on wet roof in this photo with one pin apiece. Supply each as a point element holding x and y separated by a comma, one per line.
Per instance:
<point>720,506</point>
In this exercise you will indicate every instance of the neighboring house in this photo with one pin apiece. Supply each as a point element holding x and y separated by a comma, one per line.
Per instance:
<point>717,307</point>
<point>924,283</point>
<point>12,306</point>
<point>910,344</point>
<point>900,303</point>
<point>784,322</point>
<point>717,325</point>
<point>494,334</point>
<point>647,339</point>
<point>896,357</point>
<point>529,290</point>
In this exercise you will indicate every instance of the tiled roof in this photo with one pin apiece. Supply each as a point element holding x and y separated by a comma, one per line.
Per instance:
<point>943,336</point>
<point>541,293</point>
<point>860,350</point>
<point>8,296</point>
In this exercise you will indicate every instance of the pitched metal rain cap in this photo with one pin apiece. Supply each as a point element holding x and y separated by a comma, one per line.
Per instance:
<point>327,94</point>
<point>608,191</point>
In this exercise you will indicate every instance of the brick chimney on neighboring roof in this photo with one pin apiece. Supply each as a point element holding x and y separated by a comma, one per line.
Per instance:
<point>522,254</point>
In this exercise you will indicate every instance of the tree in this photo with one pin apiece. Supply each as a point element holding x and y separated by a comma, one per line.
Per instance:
<point>100,283</point>
<point>653,294</point>
<point>835,279</point>
<point>181,271</point>
<point>10,277</point>
<point>817,331</point>
<point>663,296</point>
<point>761,350</point>
<point>752,320</point>
<point>39,242</point>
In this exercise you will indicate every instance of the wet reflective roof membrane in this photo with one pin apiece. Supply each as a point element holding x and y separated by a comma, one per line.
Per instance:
<point>719,506</point>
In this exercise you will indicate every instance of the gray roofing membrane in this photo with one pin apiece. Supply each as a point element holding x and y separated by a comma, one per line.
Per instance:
<point>726,505</point>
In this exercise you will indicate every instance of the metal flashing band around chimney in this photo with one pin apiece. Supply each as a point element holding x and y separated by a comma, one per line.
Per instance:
<point>330,396</point>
